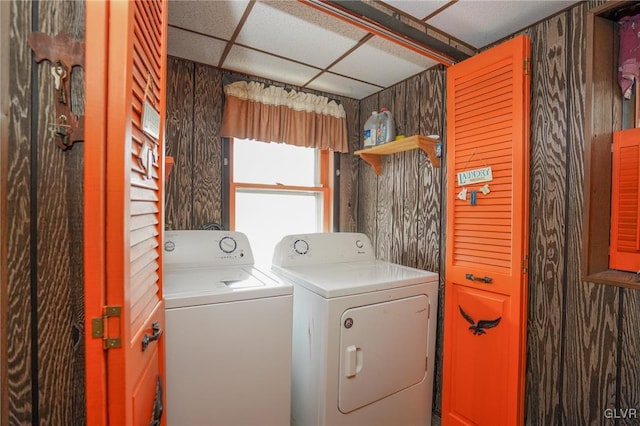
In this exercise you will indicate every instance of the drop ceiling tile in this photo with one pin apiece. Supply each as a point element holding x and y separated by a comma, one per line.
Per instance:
<point>382,62</point>
<point>215,18</point>
<point>332,83</point>
<point>198,48</point>
<point>417,9</point>
<point>482,22</point>
<point>291,29</point>
<point>299,32</point>
<point>256,63</point>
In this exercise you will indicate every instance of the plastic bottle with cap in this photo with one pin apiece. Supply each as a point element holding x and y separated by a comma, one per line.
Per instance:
<point>370,130</point>
<point>386,127</point>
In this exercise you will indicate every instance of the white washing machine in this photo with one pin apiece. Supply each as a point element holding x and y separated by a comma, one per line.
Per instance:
<point>228,333</point>
<point>363,333</point>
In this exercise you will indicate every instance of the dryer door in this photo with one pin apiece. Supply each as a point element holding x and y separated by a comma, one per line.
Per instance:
<point>383,348</point>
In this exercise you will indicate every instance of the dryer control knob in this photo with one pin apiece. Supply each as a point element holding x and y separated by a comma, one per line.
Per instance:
<point>228,244</point>
<point>169,245</point>
<point>359,243</point>
<point>301,246</point>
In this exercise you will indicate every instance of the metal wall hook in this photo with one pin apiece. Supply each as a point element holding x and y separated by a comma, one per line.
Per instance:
<point>63,53</point>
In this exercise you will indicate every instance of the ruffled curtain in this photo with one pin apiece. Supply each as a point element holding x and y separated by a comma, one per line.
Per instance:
<point>273,114</point>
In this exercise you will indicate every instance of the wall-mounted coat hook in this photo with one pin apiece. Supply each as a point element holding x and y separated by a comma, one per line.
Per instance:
<point>63,53</point>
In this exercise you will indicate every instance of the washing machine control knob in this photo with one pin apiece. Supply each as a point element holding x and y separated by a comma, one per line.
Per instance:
<point>359,243</point>
<point>301,246</point>
<point>228,244</point>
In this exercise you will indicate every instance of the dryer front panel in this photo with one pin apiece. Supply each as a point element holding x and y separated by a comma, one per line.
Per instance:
<point>383,350</point>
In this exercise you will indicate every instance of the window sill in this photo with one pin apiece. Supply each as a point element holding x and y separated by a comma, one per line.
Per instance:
<point>614,277</point>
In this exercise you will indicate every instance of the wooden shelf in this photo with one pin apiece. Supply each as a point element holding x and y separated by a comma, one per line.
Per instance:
<point>374,154</point>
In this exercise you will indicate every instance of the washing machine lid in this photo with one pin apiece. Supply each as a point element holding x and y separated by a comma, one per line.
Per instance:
<point>347,278</point>
<point>205,285</point>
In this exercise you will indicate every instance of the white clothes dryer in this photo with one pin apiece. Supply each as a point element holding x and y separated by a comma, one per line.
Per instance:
<point>228,333</point>
<point>363,333</point>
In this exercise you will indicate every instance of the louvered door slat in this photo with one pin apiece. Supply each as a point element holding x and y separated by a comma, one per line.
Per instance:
<point>484,77</point>
<point>141,207</point>
<point>147,274</point>
<point>142,221</point>
<point>143,248</point>
<point>143,194</point>
<point>143,261</point>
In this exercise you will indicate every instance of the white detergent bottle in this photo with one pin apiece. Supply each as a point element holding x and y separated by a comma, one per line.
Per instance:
<point>386,130</point>
<point>370,130</point>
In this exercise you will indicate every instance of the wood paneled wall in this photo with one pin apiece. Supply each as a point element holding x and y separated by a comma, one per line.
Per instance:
<point>194,116</point>
<point>578,331</point>
<point>45,319</point>
<point>582,352</point>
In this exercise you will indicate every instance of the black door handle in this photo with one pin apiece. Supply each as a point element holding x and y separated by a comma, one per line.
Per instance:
<point>485,279</point>
<point>157,332</point>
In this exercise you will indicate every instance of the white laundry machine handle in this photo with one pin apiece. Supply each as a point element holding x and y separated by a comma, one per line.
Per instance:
<point>353,359</point>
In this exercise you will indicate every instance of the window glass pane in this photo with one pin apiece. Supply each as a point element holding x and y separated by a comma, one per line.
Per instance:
<point>273,163</point>
<point>268,216</point>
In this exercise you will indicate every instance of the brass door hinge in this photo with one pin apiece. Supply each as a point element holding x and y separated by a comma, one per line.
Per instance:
<point>525,263</point>
<point>527,66</point>
<point>100,330</point>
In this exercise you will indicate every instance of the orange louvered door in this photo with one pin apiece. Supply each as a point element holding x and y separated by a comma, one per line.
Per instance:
<point>625,201</point>
<point>123,209</point>
<point>487,237</point>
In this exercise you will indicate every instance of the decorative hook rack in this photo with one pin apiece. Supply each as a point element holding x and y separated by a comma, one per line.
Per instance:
<point>64,54</point>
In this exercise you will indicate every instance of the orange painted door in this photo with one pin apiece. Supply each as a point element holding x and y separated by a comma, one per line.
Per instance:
<point>124,71</point>
<point>625,201</point>
<point>487,237</point>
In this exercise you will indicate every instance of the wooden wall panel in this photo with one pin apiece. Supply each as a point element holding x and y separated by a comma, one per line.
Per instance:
<point>45,315</point>
<point>367,181</point>
<point>206,147</point>
<point>630,354</point>
<point>590,352</point>
<point>431,224</point>
<point>348,220</point>
<point>547,218</point>
<point>179,135</point>
<point>59,215</point>
<point>5,105</point>
<point>590,370</point>
<point>430,187</point>
<point>385,198</point>
<point>401,191</point>
<point>19,203</point>
<point>408,124</point>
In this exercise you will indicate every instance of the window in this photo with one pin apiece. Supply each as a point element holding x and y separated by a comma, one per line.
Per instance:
<point>275,190</point>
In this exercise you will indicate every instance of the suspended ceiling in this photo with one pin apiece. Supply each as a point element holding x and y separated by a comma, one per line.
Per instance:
<point>295,42</point>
